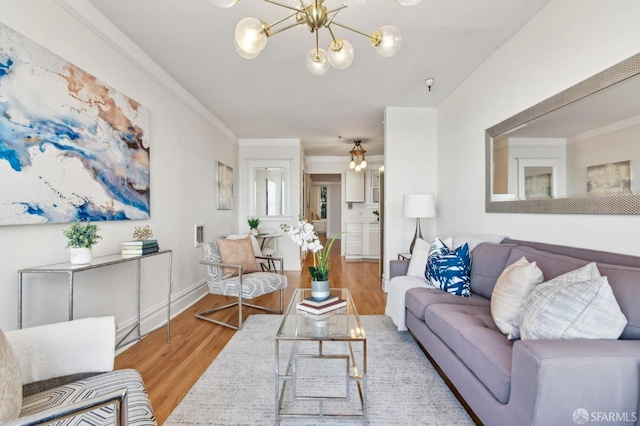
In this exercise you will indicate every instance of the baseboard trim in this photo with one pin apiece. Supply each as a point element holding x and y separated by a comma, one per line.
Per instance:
<point>292,266</point>
<point>156,316</point>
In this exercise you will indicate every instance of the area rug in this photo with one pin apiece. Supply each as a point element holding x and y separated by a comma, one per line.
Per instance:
<point>239,386</point>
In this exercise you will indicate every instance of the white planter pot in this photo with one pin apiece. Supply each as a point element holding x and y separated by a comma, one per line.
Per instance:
<point>79,256</point>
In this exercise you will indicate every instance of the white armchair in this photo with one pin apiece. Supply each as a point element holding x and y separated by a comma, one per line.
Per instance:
<point>66,370</point>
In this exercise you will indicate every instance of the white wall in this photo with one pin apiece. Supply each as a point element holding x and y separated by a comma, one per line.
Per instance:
<point>410,168</point>
<point>185,143</point>
<point>334,210</point>
<point>271,153</point>
<point>565,43</point>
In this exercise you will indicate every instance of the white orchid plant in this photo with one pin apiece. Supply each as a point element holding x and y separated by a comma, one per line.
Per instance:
<point>304,234</point>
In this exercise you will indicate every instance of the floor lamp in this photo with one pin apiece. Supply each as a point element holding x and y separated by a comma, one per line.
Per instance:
<point>418,206</point>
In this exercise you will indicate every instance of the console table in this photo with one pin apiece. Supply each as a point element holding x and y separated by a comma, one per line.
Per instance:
<point>100,262</point>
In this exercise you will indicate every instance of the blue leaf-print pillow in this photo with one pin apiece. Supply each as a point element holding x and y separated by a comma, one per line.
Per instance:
<point>438,248</point>
<point>450,271</point>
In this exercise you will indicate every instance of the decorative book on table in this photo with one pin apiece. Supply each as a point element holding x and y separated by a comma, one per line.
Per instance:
<point>320,302</point>
<point>139,243</point>
<point>317,310</point>
<point>139,248</point>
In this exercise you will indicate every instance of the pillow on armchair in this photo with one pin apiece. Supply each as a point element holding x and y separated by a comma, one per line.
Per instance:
<point>10,382</point>
<point>237,252</point>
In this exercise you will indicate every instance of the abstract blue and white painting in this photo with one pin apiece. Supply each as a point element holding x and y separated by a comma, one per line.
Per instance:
<point>71,147</point>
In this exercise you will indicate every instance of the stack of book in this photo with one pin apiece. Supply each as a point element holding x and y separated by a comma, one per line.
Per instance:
<point>318,307</point>
<point>139,248</point>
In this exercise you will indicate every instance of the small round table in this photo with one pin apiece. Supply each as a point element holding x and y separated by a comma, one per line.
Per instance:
<point>266,250</point>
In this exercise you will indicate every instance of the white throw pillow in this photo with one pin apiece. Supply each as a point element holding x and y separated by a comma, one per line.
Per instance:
<point>511,290</point>
<point>572,310</point>
<point>418,262</point>
<point>10,382</point>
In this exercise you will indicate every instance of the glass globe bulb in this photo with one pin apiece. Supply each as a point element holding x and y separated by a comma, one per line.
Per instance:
<point>363,164</point>
<point>358,168</point>
<point>249,37</point>
<point>317,62</point>
<point>408,2</point>
<point>295,4</point>
<point>340,54</point>
<point>244,54</point>
<point>352,165</point>
<point>390,42</point>
<point>223,3</point>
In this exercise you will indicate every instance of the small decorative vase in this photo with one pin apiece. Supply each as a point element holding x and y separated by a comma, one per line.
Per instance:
<point>254,231</point>
<point>320,289</point>
<point>79,255</point>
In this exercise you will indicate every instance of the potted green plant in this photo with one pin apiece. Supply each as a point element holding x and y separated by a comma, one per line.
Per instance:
<point>253,223</point>
<point>81,236</point>
<point>306,237</point>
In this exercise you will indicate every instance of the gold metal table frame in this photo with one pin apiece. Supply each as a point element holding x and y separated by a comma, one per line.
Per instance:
<point>304,331</point>
<point>99,262</point>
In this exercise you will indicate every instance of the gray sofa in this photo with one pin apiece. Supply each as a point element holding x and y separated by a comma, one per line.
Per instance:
<point>531,382</point>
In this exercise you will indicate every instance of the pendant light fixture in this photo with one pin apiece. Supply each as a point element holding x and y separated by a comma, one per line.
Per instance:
<point>358,162</point>
<point>251,34</point>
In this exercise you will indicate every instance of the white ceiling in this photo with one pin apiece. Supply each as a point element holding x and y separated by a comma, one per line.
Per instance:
<point>274,96</point>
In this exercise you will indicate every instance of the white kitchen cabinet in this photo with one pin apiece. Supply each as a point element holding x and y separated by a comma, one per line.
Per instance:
<point>353,241</point>
<point>354,187</point>
<point>375,187</point>
<point>373,246</point>
<point>362,240</point>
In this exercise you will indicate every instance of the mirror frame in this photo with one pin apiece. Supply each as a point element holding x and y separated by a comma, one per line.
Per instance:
<point>606,204</point>
<point>270,163</point>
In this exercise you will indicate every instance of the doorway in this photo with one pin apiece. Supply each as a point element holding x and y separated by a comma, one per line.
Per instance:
<point>324,206</point>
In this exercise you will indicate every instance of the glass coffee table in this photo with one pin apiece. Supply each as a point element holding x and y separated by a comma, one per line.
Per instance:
<point>321,362</point>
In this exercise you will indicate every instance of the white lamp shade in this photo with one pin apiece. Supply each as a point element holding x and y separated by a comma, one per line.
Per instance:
<point>418,205</point>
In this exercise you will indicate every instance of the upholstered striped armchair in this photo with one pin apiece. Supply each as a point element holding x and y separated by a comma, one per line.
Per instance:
<point>232,270</point>
<point>65,371</point>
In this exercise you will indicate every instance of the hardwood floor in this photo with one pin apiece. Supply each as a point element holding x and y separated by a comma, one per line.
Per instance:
<point>170,370</point>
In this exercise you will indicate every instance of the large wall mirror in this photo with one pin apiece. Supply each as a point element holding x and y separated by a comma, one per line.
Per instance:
<point>269,191</point>
<point>577,152</point>
<point>270,185</point>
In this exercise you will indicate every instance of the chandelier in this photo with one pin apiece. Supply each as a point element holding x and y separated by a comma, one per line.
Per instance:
<point>358,162</point>
<point>251,34</point>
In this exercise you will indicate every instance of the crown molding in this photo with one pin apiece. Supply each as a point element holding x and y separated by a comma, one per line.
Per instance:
<point>91,18</point>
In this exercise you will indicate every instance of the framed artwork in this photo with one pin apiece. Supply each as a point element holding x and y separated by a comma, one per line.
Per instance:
<point>224,179</point>
<point>611,178</point>
<point>71,147</point>
<point>538,186</point>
